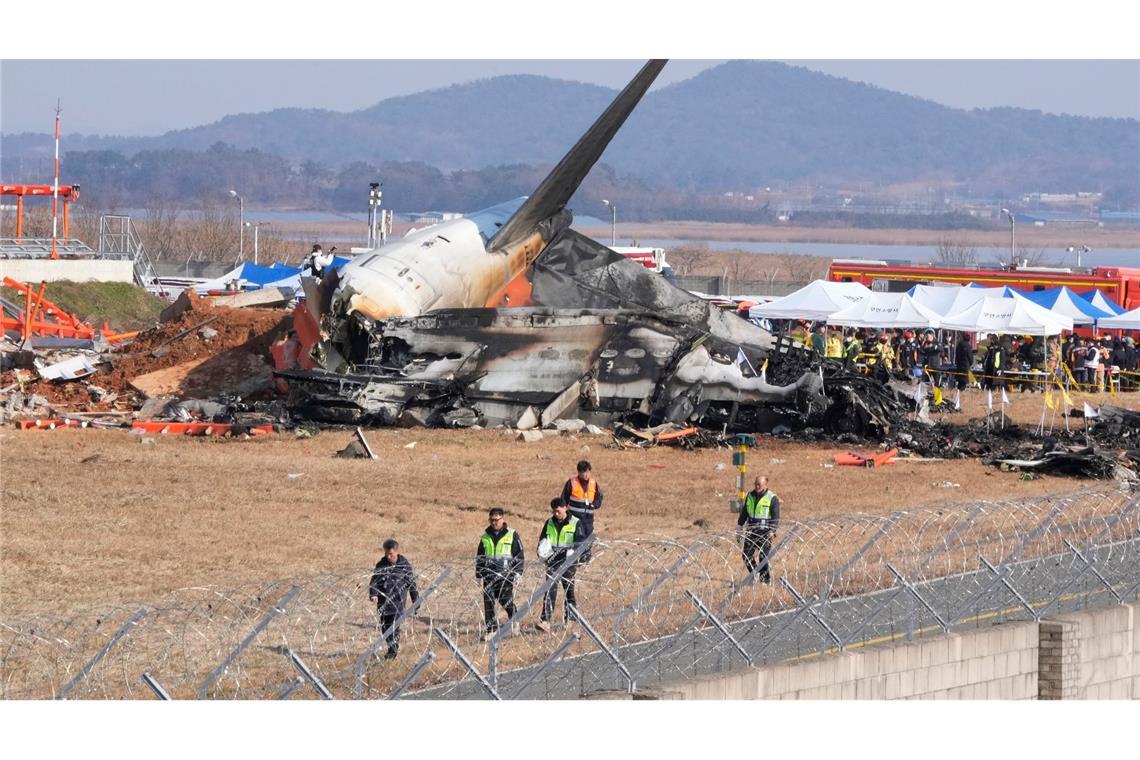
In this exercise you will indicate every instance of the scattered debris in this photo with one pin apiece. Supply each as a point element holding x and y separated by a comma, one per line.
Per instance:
<point>947,484</point>
<point>355,450</point>
<point>856,459</point>
<point>294,475</point>
<point>411,445</point>
<point>364,442</point>
<point>68,369</point>
<point>529,436</point>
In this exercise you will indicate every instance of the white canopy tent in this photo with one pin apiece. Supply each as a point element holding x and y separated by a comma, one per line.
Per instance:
<point>815,301</point>
<point>966,297</point>
<point>885,310</point>
<point>1129,320</point>
<point>1007,316</point>
<point>935,298</point>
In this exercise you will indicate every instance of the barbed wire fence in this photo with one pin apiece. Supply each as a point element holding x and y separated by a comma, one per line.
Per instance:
<point>650,610</point>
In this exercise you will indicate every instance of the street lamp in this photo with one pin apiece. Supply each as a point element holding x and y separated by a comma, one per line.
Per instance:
<point>241,225</point>
<point>1012,249</point>
<point>1078,249</point>
<point>613,222</point>
<point>256,229</point>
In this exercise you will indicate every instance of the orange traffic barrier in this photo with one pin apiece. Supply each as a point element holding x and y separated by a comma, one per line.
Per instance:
<point>48,424</point>
<point>855,459</point>
<point>194,428</point>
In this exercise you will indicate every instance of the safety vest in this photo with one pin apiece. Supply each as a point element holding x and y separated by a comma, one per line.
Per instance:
<point>580,497</point>
<point>759,509</point>
<point>834,348</point>
<point>854,348</point>
<point>503,549</point>
<point>562,538</point>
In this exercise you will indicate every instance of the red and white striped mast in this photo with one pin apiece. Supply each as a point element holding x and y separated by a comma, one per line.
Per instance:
<point>55,186</point>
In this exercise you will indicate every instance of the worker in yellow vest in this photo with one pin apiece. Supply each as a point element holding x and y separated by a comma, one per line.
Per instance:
<point>498,562</point>
<point>834,347</point>
<point>558,544</point>
<point>756,527</point>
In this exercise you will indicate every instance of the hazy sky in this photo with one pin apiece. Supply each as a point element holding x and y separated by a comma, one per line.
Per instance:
<point>138,97</point>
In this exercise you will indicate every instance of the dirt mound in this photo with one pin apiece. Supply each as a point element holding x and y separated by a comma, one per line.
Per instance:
<point>230,332</point>
<point>207,351</point>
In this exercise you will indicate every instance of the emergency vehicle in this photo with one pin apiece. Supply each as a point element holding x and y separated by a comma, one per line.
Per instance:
<point>1121,284</point>
<point>650,258</point>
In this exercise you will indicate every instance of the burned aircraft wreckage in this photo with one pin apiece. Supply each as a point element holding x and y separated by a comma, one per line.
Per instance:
<point>510,317</point>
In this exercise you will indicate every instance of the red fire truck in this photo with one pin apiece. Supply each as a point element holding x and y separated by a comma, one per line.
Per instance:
<point>1121,284</point>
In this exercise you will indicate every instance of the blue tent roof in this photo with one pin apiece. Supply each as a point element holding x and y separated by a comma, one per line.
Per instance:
<point>1099,299</point>
<point>1048,298</point>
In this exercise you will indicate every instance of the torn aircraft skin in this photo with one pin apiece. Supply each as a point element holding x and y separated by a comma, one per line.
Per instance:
<point>508,315</point>
<point>488,366</point>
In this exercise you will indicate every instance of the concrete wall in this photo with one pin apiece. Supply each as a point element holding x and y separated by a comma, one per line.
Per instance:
<point>1089,655</point>
<point>1106,650</point>
<point>73,270</point>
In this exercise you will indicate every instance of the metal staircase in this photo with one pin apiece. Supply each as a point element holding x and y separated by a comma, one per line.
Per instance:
<point>118,238</point>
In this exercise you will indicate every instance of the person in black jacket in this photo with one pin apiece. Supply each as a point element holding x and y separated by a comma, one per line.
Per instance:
<point>498,562</point>
<point>392,580</point>
<point>963,359</point>
<point>558,541</point>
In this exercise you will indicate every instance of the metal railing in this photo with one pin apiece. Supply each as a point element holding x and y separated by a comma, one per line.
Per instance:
<point>649,611</point>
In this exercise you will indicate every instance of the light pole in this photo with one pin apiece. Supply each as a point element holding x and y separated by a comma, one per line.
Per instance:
<point>1012,249</point>
<point>241,225</point>
<point>613,221</point>
<point>1079,249</point>
<point>256,229</point>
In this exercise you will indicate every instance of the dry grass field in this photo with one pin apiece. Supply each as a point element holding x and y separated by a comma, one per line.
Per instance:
<point>93,517</point>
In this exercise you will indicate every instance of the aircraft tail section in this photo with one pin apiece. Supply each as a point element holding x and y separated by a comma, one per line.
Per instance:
<point>555,191</point>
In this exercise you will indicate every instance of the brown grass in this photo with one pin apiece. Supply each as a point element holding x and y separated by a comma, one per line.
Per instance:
<point>137,521</point>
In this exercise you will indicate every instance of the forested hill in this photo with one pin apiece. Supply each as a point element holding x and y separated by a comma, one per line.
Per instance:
<point>737,126</point>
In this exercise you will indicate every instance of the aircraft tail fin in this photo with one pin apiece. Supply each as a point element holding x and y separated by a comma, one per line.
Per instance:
<point>554,192</point>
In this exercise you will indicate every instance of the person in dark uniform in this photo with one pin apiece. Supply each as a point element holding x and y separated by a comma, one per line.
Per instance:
<point>392,581</point>
<point>963,359</point>
<point>498,562</point>
<point>993,365</point>
<point>558,541</point>
<point>583,497</point>
<point>756,526</point>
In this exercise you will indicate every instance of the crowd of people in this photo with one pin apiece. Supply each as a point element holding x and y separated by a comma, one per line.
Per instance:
<point>950,359</point>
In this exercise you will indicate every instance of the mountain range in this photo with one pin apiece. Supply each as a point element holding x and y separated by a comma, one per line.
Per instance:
<point>740,125</point>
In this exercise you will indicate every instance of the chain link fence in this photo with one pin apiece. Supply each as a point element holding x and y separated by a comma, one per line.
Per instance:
<point>650,610</point>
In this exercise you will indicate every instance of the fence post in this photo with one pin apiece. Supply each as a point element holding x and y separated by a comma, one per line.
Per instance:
<point>914,592</point>
<point>467,664</point>
<point>426,660</point>
<point>569,641</point>
<point>308,674</point>
<point>362,660</point>
<point>604,647</point>
<point>719,626</point>
<point>159,692</point>
<point>101,654</point>
<point>823,624</point>
<point>1002,577</point>
<point>1016,553</point>
<point>277,609</point>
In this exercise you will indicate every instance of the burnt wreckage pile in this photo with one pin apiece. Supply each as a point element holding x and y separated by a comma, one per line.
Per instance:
<point>607,341</point>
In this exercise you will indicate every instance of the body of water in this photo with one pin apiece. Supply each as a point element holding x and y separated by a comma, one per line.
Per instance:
<point>1120,257</point>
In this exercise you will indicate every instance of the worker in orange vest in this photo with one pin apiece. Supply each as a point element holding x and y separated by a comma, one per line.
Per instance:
<point>583,497</point>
